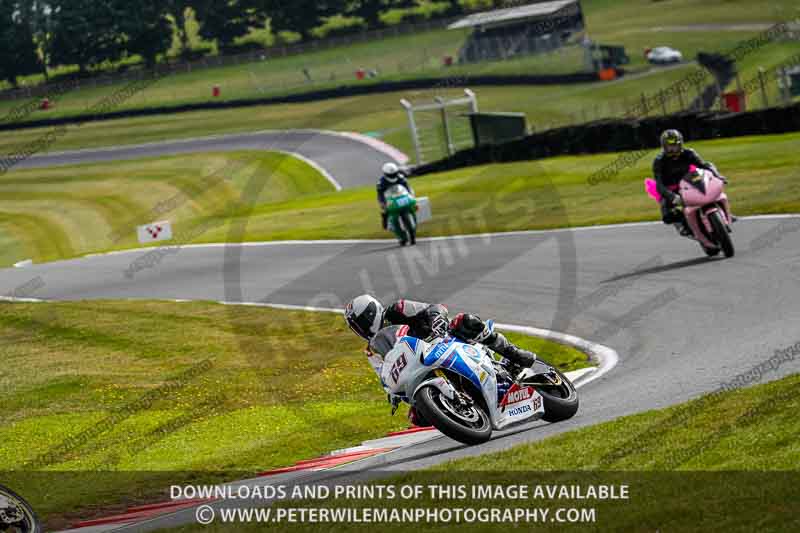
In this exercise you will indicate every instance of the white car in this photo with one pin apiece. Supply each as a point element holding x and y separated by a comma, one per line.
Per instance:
<point>662,55</point>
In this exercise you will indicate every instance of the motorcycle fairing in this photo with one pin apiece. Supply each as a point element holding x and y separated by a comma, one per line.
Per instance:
<point>519,403</point>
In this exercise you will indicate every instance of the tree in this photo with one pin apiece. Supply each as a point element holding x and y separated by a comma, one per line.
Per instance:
<point>18,52</point>
<point>86,32</point>
<point>147,29</point>
<point>41,26</point>
<point>224,21</point>
<point>370,10</point>
<point>177,10</point>
<point>301,16</point>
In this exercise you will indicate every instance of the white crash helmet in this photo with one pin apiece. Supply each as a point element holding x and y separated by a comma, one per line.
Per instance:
<point>364,315</point>
<point>391,171</point>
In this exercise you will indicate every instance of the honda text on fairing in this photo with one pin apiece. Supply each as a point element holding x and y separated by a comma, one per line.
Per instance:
<point>705,208</point>
<point>464,391</point>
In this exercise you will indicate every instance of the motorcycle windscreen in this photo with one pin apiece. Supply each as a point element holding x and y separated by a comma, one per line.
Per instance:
<point>386,339</point>
<point>396,190</point>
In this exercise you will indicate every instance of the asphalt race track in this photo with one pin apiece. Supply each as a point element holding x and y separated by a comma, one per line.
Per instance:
<point>682,324</point>
<point>352,162</point>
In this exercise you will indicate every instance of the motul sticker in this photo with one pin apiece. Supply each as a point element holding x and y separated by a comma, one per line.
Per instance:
<point>516,395</point>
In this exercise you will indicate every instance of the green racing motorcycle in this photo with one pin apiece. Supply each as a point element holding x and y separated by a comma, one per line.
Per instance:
<point>401,210</point>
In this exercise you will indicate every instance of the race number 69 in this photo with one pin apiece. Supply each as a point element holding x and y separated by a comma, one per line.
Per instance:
<point>398,367</point>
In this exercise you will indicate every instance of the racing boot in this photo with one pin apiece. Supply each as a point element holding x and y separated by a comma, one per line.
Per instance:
<point>519,357</point>
<point>683,229</point>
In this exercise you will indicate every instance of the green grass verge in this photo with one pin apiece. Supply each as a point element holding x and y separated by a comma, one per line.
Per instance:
<point>64,211</point>
<point>380,114</point>
<point>723,462</point>
<point>420,55</point>
<point>56,222</point>
<point>542,194</point>
<point>231,390</point>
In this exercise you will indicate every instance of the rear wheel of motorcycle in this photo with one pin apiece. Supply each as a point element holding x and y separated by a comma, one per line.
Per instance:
<point>560,400</point>
<point>411,227</point>
<point>434,407</point>
<point>711,252</point>
<point>721,234</point>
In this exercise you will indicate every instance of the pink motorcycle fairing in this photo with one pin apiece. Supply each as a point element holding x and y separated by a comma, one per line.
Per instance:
<point>652,189</point>
<point>651,186</point>
<point>702,193</point>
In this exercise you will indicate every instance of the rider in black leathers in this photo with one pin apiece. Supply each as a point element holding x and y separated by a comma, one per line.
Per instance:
<point>669,168</point>
<point>432,320</point>
<point>366,317</point>
<point>392,175</point>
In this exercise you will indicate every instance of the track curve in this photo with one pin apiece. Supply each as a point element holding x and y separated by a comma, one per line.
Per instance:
<point>352,160</point>
<point>682,324</point>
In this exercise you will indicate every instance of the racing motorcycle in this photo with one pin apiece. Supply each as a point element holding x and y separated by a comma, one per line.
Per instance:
<point>401,209</point>
<point>706,209</point>
<point>464,391</point>
<point>16,515</point>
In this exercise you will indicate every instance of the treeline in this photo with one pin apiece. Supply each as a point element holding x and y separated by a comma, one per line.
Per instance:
<point>37,35</point>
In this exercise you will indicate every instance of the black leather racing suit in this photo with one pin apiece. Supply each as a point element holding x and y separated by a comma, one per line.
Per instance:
<point>383,186</point>
<point>426,321</point>
<point>668,173</point>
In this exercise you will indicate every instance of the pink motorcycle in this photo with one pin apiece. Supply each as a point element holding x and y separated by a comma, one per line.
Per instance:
<point>706,208</point>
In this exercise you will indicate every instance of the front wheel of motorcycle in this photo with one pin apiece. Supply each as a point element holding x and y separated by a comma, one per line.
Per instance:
<point>559,395</point>
<point>19,516</point>
<point>467,424</point>
<point>410,227</point>
<point>721,234</point>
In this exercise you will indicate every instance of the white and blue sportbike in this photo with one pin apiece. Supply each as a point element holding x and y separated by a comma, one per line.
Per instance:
<point>465,392</point>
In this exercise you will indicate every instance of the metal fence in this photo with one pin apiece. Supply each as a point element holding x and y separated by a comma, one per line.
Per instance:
<point>137,72</point>
<point>441,128</point>
<point>769,88</point>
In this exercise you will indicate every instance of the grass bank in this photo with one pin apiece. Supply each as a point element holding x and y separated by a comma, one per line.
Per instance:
<point>723,462</point>
<point>58,213</point>
<point>636,24</point>
<point>69,210</point>
<point>111,401</point>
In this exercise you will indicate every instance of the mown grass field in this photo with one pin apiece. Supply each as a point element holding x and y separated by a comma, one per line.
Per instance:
<point>542,194</point>
<point>62,212</point>
<point>68,210</point>
<point>380,115</point>
<point>720,463</point>
<point>231,391</point>
<point>632,24</point>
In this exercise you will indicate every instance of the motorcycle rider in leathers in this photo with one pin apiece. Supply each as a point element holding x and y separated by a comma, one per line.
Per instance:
<point>366,316</point>
<point>669,168</point>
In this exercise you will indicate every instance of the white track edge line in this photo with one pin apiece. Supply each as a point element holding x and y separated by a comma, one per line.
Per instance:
<point>608,358</point>
<point>313,164</point>
<point>356,137</point>
<point>484,236</point>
